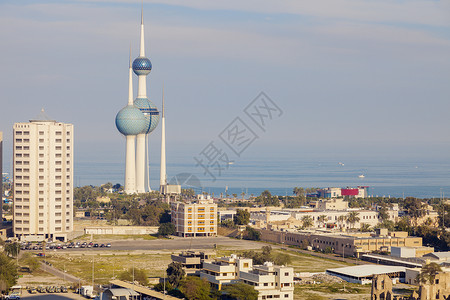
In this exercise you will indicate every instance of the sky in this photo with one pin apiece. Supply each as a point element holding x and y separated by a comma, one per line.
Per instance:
<point>350,77</point>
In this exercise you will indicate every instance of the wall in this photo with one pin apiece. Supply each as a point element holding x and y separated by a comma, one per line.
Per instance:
<point>128,230</point>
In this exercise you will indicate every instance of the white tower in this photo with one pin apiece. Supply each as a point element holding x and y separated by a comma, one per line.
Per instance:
<point>140,143</point>
<point>142,67</point>
<point>163,174</point>
<point>130,121</point>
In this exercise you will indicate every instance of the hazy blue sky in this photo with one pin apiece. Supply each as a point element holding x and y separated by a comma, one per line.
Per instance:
<point>352,77</point>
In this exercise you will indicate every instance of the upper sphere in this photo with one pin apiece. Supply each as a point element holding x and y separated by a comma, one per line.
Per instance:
<point>142,66</point>
<point>130,120</point>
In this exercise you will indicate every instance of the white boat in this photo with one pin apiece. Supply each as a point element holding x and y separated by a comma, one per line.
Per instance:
<point>361,176</point>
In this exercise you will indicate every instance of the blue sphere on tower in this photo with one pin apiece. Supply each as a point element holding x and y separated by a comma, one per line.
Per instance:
<point>142,66</point>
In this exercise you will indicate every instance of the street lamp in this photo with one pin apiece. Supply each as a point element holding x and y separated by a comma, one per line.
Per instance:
<point>343,248</point>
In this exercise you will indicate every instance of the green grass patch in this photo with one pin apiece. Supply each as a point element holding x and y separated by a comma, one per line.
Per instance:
<point>327,290</point>
<point>108,266</point>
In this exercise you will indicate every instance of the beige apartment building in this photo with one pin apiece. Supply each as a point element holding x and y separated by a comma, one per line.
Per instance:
<point>198,218</point>
<point>43,180</point>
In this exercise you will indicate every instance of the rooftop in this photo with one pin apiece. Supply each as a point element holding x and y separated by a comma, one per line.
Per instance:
<point>366,270</point>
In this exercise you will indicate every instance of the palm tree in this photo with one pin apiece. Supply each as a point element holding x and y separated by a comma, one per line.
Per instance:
<point>322,219</point>
<point>307,221</point>
<point>299,191</point>
<point>353,218</point>
<point>341,220</point>
<point>12,249</point>
<point>428,273</point>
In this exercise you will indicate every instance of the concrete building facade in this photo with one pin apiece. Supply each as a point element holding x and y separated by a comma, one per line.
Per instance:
<point>343,244</point>
<point>43,180</point>
<point>270,281</point>
<point>198,218</point>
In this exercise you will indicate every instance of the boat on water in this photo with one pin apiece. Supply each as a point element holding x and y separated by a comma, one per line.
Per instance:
<point>361,176</point>
<point>341,164</point>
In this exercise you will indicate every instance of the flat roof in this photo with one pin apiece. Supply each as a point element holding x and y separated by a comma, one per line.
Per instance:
<point>366,270</point>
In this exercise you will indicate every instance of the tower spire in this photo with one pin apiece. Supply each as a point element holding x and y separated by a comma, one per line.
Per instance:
<point>142,46</point>
<point>130,81</point>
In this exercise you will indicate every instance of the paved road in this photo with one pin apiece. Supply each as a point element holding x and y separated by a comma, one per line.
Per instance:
<point>60,274</point>
<point>45,296</point>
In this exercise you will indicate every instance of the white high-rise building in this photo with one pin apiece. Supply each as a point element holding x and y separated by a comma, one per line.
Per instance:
<point>1,172</point>
<point>43,179</point>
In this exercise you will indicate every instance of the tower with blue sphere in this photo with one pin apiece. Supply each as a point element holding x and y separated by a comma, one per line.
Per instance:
<point>130,121</point>
<point>142,67</point>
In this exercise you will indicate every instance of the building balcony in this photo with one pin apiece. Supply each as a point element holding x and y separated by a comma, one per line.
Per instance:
<point>219,268</point>
<point>217,279</point>
<point>257,278</point>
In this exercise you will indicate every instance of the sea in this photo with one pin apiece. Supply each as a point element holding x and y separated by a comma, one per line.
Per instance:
<point>425,178</point>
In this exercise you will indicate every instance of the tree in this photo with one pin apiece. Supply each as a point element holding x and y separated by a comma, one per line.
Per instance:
<point>138,275</point>
<point>299,191</point>
<point>266,199</point>
<point>252,234</point>
<point>166,229</point>
<point>365,227</point>
<point>294,202</point>
<point>161,286</point>
<point>307,221</point>
<point>388,224</point>
<point>195,288</point>
<point>8,273</point>
<point>188,193</point>
<point>341,220</point>
<point>242,217</point>
<point>322,219</point>
<point>239,291</point>
<point>383,212</point>
<point>404,224</point>
<point>12,249</point>
<point>415,208</point>
<point>428,273</point>
<point>30,261</point>
<point>352,217</point>
<point>281,259</point>
<point>175,273</point>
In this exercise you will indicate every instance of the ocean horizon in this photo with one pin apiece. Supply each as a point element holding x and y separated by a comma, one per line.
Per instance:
<point>395,178</point>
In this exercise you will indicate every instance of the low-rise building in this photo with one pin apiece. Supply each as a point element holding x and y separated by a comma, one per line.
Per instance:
<point>192,261</point>
<point>269,280</point>
<point>363,274</point>
<point>332,204</point>
<point>349,244</point>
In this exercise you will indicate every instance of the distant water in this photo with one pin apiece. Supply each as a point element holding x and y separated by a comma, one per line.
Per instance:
<point>395,178</point>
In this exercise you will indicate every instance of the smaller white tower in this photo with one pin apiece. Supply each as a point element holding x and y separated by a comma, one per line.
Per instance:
<point>163,174</point>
